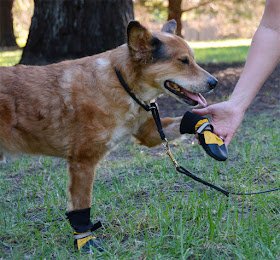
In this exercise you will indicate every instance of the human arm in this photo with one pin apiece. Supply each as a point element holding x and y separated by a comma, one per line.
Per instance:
<point>263,56</point>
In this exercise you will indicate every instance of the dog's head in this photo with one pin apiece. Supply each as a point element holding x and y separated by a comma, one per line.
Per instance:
<point>167,63</point>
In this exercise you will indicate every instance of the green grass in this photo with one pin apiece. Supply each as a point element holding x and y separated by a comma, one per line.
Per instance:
<point>221,54</point>
<point>148,210</point>
<point>225,51</point>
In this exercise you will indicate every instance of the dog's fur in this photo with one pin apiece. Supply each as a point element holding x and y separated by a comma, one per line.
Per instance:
<point>78,109</point>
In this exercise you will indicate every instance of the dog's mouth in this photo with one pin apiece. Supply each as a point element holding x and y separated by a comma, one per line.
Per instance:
<point>190,98</point>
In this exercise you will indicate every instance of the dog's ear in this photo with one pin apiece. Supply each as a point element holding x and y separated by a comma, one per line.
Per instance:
<point>139,41</point>
<point>170,27</point>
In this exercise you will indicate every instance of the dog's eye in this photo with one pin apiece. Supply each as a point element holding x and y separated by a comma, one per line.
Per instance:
<point>185,60</point>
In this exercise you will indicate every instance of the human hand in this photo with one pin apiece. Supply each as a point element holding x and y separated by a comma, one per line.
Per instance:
<point>226,118</point>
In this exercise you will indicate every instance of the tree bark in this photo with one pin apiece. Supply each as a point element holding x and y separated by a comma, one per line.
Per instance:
<point>63,29</point>
<point>7,37</point>
<point>175,12</point>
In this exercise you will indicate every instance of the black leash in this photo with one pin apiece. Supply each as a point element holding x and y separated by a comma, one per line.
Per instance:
<point>153,108</point>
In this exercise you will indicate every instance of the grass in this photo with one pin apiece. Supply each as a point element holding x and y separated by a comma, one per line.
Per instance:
<point>222,51</point>
<point>220,43</point>
<point>221,54</point>
<point>148,210</point>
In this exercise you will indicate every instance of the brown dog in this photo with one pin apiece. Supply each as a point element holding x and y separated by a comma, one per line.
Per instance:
<point>78,109</point>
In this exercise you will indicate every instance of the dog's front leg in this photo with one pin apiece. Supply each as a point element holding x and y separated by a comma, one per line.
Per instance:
<point>79,202</point>
<point>81,181</point>
<point>149,136</point>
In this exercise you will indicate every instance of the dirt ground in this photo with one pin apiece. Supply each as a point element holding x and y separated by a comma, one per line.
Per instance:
<point>227,75</point>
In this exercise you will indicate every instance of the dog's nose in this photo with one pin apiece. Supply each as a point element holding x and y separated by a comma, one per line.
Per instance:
<point>212,82</point>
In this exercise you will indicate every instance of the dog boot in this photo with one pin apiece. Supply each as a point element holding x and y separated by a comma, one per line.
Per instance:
<point>211,143</point>
<point>83,239</point>
<point>85,242</point>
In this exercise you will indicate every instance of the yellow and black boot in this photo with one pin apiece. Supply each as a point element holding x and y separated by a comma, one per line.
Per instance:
<point>211,143</point>
<point>84,241</point>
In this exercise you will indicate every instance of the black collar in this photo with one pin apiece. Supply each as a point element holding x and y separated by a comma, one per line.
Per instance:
<point>152,107</point>
<point>125,86</point>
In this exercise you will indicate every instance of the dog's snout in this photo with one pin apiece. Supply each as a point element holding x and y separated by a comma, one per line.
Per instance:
<point>212,82</point>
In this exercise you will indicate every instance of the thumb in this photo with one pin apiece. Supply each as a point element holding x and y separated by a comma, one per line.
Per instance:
<point>202,111</point>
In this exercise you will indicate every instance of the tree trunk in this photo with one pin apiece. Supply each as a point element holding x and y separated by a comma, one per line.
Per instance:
<point>175,12</point>
<point>7,37</point>
<point>63,29</point>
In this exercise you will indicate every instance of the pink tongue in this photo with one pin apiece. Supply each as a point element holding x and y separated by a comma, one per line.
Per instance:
<point>197,97</point>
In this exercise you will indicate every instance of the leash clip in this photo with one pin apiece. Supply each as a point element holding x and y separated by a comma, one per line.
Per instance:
<point>167,149</point>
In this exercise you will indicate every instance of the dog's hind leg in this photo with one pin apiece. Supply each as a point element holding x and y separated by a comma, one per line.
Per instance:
<point>149,136</point>
<point>80,188</point>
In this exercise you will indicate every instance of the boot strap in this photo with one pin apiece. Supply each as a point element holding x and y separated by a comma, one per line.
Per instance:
<point>97,225</point>
<point>81,235</point>
<point>203,127</point>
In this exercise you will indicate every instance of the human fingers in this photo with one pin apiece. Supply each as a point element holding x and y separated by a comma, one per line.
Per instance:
<point>227,139</point>
<point>227,142</point>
